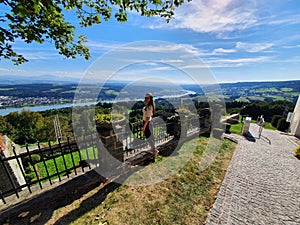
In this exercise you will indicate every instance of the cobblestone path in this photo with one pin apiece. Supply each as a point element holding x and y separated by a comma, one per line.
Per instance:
<point>262,184</point>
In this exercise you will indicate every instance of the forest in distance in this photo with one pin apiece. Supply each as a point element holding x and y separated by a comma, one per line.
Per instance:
<point>20,95</point>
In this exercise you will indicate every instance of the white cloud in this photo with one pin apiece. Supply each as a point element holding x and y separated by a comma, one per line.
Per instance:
<point>222,50</point>
<point>102,46</point>
<point>290,19</point>
<point>244,60</point>
<point>41,55</point>
<point>214,16</point>
<point>142,46</point>
<point>291,46</point>
<point>4,70</point>
<point>253,47</point>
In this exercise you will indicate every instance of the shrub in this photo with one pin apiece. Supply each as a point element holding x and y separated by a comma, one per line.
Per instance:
<point>107,118</point>
<point>35,159</point>
<point>30,176</point>
<point>28,166</point>
<point>28,169</point>
<point>275,119</point>
<point>282,125</point>
<point>297,152</point>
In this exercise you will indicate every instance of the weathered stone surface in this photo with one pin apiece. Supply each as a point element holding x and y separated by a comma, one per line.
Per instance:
<point>262,184</point>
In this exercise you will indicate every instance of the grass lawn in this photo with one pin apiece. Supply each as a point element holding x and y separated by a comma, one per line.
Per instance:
<point>185,197</point>
<point>60,162</point>
<point>237,128</point>
<point>269,126</point>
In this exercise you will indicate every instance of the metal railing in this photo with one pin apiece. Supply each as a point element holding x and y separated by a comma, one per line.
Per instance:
<point>134,139</point>
<point>44,164</point>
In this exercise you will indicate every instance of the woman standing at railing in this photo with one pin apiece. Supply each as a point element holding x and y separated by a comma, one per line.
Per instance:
<point>148,112</point>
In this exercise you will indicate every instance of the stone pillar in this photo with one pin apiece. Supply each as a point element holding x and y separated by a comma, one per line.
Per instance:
<point>216,116</point>
<point>205,121</point>
<point>110,141</point>
<point>181,125</point>
<point>216,126</point>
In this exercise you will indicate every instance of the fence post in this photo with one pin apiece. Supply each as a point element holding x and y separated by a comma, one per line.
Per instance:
<point>72,157</point>
<point>34,169</point>
<point>21,168</point>
<point>63,156</point>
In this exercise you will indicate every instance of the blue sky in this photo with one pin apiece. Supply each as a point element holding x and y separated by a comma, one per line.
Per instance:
<point>237,40</point>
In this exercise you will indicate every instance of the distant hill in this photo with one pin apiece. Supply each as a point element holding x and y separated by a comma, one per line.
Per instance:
<point>254,91</point>
<point>42,79</point>
<point>262,91</point>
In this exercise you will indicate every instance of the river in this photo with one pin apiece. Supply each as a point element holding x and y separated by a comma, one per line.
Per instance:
<point>39,108</point>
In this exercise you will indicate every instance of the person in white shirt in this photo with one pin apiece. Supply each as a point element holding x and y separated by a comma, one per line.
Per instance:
<point>148,112</point>
<point>261,123</point>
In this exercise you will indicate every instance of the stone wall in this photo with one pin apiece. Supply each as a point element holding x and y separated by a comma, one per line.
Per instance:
<point>12,166</point>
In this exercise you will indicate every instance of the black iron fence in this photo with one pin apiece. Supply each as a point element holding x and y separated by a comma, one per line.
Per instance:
<point>134,139</point>
<point>44,164</point>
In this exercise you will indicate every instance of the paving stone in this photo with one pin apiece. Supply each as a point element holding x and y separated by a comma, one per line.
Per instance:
<point>262,183</point>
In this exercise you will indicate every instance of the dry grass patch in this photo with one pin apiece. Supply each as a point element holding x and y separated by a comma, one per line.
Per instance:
<point>183,198</point>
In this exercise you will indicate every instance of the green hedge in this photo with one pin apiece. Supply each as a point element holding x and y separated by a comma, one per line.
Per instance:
<point>275,119</point>
<point>297,152</point>
<point>282,125</point>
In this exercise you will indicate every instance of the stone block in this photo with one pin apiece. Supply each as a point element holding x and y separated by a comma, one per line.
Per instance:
<point>109,139</point>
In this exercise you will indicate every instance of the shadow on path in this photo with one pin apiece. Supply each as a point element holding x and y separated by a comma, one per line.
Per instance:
<point>250,137</point>
<point>88,204</point>
<point>40,209</point>
<point>265,139</point>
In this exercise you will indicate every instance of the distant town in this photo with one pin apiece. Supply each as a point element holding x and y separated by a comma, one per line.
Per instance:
<point>11,101</point>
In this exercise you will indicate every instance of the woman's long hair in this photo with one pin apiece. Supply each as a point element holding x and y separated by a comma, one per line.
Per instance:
<point>151,102</point>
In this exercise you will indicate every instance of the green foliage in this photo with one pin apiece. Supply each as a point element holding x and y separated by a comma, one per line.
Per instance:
<point>282,125</point>
<point>107,118</point>
<point>35,158</point>
<point>269,126</point>
<point>275,119</point>
<point>236,128</point>
<point>29,166</point>
<point>6,128</point>
<point>297,152</point>
<point>26,125</point>
<point>40,21</point>
<point>30,176</point>
<point>268,109</point>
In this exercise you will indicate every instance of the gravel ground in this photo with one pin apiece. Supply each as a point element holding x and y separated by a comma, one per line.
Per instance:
<point>262,184</point>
